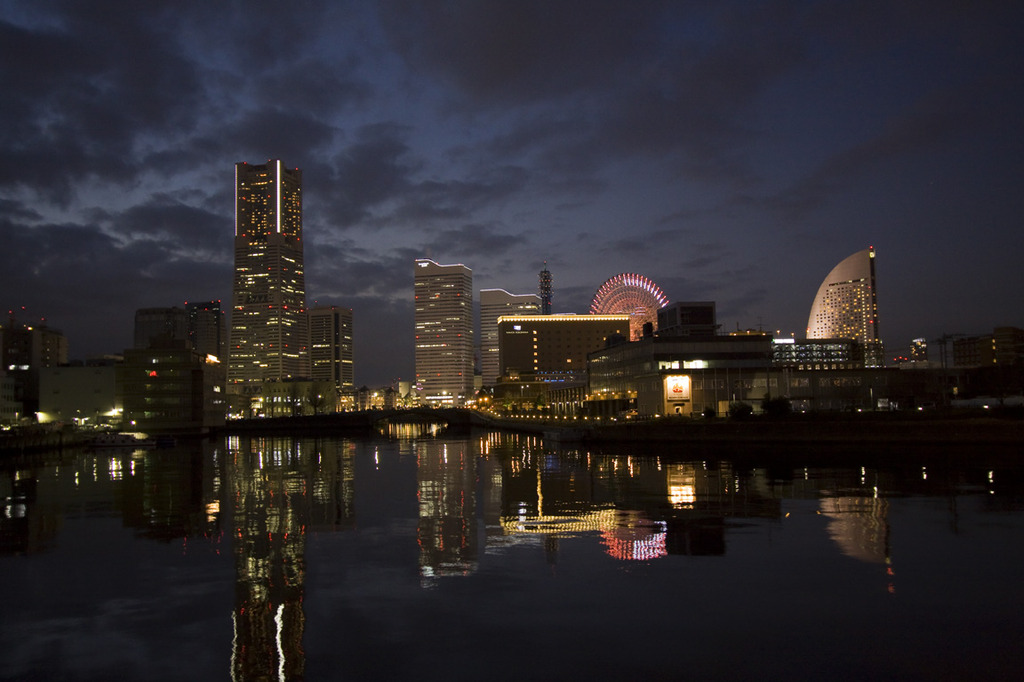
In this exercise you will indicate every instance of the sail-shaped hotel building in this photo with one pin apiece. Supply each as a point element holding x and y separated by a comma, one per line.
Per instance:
<point>846,306</point>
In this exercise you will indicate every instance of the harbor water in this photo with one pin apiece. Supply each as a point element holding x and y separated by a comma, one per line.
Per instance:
<point>412,555</point>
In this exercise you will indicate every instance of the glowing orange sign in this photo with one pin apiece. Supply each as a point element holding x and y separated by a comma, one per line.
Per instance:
<point>677,387</point>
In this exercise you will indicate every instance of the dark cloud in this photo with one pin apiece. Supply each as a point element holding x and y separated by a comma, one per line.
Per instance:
<point>375,169</point>
<point>472,240</point>
<point>435,200</point>
<point>182,230</point>
<point>731,151</point>
<point>499,52</point>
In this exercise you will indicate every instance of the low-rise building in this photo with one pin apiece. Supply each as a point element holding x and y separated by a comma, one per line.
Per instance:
<point>656,375</point>
<point>553,349</point>
<point>817,354</point>
<point>82,394</point>
<point>171,388</point>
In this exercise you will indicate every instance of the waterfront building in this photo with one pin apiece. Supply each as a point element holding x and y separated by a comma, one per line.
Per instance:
<point>25,349</point>
<point>206,330</point>
<point>553,349</point>
<point>159,325</point>
<point>83,394</point>
<point>10,406</point>
<point>26,346</point>
<point>444,331</point>
<point>846,306</point>
<point>656,375</point>
<point>169,387</point>
<point>297,397</point>
<point>269,330</point>
<point>688,318</point>
<point>817,354</point>
<point>330,345</point>
<point>493,304</point>
<point>1004,346</point>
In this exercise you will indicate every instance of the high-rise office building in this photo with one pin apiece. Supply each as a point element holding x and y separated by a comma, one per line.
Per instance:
<point>269,327</point>
<point>846,306</point>
<point>206,327</point>
<point>493,304</point>
<point>160,325</point>
<point>444,331</point>
<point>330,345</point>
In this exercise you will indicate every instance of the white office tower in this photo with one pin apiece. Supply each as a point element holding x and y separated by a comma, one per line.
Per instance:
<point>444,332</point>
<point>493,304</point>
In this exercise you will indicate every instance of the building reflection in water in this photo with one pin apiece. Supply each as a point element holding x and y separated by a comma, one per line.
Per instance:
<point>860,528</point>
<point>446,475</point>
<point>641,507</point>
<point>281,488</point>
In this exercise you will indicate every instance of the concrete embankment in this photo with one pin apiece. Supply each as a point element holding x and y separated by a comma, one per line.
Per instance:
<point>795,430</point>
<point>41,438</point>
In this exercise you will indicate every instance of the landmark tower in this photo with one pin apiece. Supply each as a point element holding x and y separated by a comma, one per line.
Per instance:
<point>269,329</point>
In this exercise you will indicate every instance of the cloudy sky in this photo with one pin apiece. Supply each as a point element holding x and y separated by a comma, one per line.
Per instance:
<point>730,151</point>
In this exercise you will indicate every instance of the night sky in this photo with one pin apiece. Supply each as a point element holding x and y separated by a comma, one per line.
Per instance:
<point>730,151</point>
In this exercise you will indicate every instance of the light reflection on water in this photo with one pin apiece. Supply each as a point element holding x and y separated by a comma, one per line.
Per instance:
<point>296,558</point>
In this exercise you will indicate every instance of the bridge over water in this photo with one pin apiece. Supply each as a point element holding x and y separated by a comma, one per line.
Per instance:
<point>363,421</point>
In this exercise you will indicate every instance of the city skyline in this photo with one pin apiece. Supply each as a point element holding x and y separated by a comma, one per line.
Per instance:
<point>729,152</point>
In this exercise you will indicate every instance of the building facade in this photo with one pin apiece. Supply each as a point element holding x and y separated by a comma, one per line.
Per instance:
<point>659,375</point>
<point>1004,346</point>
<point>159,325</point>
<point>25,349</point>
<point>846,306</point>
<point>330,346</point>
<point>80,394</point>
<point>444,332</point>
<point>688,318</point>
<point>206,329</point>
<point>493,304</point>
<point>817,354</point>
<point>694,377</point>
<point>171,388</point>
<point>269,329</point>
<point>553,348</point>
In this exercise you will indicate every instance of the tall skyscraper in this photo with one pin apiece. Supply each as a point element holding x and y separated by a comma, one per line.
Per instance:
<point>444,331</point>
<point>269,328</point>
<point>846,306</point>
<point>493,304</point>
<point>206,327</point>
<point>546,292</point>
<point>330,345</point>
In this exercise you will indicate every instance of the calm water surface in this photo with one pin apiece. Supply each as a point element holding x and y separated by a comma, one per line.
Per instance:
<point>501,558</point>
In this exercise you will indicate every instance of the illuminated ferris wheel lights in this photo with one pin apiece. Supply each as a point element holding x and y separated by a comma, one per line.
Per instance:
<point>632,294</point>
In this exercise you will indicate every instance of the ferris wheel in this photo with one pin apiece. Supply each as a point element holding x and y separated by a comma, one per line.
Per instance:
<point>630,294</point>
